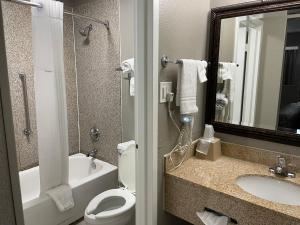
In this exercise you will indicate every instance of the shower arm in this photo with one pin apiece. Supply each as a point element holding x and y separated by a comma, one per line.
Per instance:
<point>105,23</point>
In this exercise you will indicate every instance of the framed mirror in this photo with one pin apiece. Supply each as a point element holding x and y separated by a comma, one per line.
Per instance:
<point>254,75</point>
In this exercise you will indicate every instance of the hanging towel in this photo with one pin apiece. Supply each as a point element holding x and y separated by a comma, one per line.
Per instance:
<point>128,68</point>
<point>229,88</point>
<point>188,72</point>
<point>210,218</point>
<point>50,94</point>
<point>131,87</point>
<point>226,71</point>
<point>62,196</point>
<point>201,70</point>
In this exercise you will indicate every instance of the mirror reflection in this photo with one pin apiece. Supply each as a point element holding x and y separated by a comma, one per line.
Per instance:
<point>258,75</point>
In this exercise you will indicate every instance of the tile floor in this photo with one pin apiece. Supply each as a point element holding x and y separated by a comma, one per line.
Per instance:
<point>79,222</point>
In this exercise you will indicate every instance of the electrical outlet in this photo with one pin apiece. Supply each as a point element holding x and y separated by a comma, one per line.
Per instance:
<point>165,88</point>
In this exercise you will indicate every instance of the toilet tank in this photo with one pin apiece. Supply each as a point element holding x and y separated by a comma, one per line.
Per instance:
<point>126,164</point>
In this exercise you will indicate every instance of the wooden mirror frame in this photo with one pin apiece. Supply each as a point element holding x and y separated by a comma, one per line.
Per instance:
<point>217,14</point>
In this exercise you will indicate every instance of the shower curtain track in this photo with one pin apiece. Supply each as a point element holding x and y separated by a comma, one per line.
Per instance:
<point>33,4</point>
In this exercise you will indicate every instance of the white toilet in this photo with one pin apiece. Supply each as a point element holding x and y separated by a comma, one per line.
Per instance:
<point>116,206</point>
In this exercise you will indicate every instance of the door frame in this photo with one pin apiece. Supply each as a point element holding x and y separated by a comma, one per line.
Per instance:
<point>146,109</point>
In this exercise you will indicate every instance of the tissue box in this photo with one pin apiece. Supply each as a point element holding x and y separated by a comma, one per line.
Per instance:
<point>214,151</point>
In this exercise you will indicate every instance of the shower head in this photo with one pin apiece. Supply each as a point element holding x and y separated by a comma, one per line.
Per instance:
<point>85,32</point>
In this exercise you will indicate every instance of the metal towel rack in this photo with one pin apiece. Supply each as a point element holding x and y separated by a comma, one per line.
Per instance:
<point>165,61</point>
<point>27,131</point>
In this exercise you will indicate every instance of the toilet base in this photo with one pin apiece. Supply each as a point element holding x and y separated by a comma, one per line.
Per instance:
<point>124,219</point>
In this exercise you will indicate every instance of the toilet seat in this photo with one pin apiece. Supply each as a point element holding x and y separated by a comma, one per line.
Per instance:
<point>127,197</point>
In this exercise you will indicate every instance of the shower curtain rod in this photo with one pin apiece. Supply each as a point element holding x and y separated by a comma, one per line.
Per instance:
<point>38,5</point>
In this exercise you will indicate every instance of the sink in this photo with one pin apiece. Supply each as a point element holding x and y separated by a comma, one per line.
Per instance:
<point>271,189</point>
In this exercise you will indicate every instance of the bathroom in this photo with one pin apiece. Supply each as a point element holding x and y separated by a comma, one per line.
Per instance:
<point>253,139</point>
<point>78,111</point>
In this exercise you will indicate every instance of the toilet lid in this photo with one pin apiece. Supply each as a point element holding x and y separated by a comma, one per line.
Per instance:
<point>110,203</point>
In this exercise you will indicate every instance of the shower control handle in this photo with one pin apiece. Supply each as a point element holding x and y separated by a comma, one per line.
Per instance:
<point>95,134</point>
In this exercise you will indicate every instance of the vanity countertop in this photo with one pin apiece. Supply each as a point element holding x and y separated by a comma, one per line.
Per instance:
<point>221,175</point>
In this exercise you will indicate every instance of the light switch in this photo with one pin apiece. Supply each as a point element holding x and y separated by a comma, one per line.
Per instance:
<point>165,88</point>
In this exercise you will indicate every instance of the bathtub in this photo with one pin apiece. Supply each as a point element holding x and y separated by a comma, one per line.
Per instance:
<point>85,182</point>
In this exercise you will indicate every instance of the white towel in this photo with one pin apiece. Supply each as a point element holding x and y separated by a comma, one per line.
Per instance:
<point>131,87</point>
<point>210,218</point>
<point>62,196</point>
<point>229,88</point>
<point>187,84</point>
<point>226,71</point>
<point>128,67</point>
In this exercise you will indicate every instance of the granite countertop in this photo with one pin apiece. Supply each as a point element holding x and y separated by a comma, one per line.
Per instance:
<point>220,176</point>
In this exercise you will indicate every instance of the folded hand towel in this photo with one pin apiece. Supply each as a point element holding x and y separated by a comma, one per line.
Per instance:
<point>187,84</point>
<point>62,196</point>
<point>210,218</point>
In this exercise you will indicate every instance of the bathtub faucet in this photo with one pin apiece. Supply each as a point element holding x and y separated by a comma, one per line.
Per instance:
<point>92,154</point>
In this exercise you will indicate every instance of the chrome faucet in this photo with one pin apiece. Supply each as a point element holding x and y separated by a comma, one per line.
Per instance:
<point>92,154</point>
<point>281,168</point>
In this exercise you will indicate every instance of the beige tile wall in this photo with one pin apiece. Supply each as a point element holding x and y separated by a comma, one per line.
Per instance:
<point>97,81</point>
<point>18,36</point>
<point>99,85</point>
<point>18,41</point>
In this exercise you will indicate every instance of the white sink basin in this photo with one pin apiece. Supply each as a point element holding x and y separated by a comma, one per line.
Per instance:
<point>271,189</point>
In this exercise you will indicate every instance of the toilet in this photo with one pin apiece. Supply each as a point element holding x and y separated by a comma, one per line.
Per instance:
<point>116,206</point>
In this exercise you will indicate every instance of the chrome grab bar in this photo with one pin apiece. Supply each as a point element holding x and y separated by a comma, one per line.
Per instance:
<point>27,131</point>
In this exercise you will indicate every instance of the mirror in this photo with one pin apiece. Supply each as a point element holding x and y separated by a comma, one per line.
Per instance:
<point>255,74</point>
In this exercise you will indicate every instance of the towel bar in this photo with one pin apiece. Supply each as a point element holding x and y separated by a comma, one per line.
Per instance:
<point>165,61</point>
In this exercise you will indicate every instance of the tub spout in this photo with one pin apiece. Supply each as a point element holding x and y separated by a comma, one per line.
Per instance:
<point>92,153</point>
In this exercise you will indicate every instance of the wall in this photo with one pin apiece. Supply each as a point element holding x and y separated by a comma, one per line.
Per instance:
<point>98,83</point>
<point>18,40</point>
<point>7,209</point>
<point>271,61</point>
<point>182,34</point>
<point>127,52</point>
<point>71,83</point>
<point>178,20</point>
<point>7,206</point>
<point>227,41</point>
<point>18,34</point>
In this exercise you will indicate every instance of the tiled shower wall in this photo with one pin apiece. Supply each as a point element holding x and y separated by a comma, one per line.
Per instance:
<point>98,84</point>
<point>18,41</point>
<point>18,36</point>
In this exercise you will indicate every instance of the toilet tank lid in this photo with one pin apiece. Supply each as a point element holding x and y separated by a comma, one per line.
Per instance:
<point>125,146</point>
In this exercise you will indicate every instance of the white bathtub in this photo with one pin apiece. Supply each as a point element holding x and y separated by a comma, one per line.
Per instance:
<point>85,182</point>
